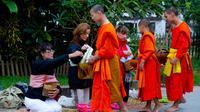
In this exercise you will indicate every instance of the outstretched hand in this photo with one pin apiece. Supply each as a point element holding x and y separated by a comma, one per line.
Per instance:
<point>85,47</point>
<point>75,54</point>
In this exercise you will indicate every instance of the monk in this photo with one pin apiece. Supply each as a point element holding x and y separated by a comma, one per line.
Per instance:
<point>107,83</point>
<point>178,68</point>
<point>148,69</point>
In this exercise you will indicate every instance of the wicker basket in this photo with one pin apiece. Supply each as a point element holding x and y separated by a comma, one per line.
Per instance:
<point>85,71</point>
<point>129,64</point>
<point>48,87</point>
<point>162,56</point>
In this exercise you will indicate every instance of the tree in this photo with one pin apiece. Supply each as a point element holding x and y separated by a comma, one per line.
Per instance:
<point>36,21</point>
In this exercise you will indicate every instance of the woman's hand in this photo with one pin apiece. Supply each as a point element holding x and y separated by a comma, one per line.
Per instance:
<point>127,53</point>
<point>53,93</point>
<point>75,54</point>
<point>85,47</point>
<point>141,65</point>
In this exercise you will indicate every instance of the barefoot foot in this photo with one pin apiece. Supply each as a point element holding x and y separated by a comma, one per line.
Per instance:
<point>182,100</point>
<point>145,109</point>
<point>157,107</point>
<point>172,109</point>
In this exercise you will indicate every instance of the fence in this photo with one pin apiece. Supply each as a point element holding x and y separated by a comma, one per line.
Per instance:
<point>12,68</point>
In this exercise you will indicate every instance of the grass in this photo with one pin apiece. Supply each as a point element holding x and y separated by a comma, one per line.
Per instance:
<point>7,81</point>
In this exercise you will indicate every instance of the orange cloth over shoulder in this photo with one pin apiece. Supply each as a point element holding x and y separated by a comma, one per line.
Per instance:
<point>105,81</point>
<point>149,77</point>
<point>179,84</point>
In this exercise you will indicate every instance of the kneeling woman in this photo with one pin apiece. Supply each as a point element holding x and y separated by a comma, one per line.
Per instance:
<point>43,72</point>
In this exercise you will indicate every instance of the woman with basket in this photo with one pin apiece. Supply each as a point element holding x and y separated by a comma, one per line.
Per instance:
<point>148,69</point>
<point>80,87</point>
<point>44,87</point>
<point>125,54</point>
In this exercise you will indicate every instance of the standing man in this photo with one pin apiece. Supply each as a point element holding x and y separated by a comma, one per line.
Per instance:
<point>107,83</point>
<point>178,69</point>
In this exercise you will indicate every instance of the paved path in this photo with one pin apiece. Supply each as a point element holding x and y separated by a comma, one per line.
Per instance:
<point>192,104</point>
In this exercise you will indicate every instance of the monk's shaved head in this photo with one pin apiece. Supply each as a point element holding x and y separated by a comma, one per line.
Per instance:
<point>172,9</point>
<point>144,22</point>
<point>97,8</point>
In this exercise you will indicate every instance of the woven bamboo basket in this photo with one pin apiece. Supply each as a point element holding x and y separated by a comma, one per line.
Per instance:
<point>129,64</point>
<point>48,87</point>
<point>162,56</point>
<point>85,71</point>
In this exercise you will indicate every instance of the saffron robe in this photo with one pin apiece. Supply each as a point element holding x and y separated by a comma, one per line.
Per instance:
<point>107,83</point>
<point>178,84</point>
<point>149,78</point>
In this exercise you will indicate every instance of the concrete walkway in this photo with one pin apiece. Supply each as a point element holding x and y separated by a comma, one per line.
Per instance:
<point>192,104</point>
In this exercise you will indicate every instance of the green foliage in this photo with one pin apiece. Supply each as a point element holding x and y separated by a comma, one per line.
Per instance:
<point>54,21</point>
<point>60,18</point>
<point>11,5</point>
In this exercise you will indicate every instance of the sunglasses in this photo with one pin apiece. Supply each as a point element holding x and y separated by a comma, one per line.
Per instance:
<point>49,51</point>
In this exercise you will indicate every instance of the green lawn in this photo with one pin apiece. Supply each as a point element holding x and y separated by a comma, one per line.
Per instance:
<point>7,81</point>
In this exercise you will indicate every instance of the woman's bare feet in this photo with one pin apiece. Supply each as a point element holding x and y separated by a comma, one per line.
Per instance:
<point>157,107</point>
<point>172,109</point>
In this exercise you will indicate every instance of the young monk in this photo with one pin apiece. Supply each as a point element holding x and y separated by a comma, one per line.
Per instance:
<point>107,83</point>
<point>125,54</point>
<point>148,69</point>
<point>178,69</point>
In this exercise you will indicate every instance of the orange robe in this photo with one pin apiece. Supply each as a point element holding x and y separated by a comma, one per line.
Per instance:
<point>107,83</point>
<point>178,84</point>
<point>149,78</point>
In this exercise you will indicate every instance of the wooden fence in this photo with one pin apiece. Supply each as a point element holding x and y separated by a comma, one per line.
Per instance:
<point>13,68</point>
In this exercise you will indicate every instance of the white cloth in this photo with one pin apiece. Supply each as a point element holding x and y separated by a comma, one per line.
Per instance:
<point>123,60</point>
<point>66,101</point>
<point>37,105</point>
<point>81,96</point>
<point>87,54</point>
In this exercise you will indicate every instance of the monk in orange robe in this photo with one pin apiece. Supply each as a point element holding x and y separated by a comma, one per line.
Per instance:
<point>178,81</point>
<point>148,69</point>
<point>107,83</point>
